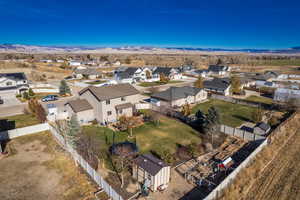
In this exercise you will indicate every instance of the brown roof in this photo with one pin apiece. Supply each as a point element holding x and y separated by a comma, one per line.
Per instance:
<point>123,106</point>
<point>150,164</point>
<point>79,105</point>
<point>111,91</point>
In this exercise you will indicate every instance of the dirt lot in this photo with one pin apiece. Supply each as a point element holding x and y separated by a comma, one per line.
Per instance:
<point>281,180</point>
<point>37,168</point>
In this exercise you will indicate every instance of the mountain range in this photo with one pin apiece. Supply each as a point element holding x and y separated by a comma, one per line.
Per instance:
<point>20,48</point>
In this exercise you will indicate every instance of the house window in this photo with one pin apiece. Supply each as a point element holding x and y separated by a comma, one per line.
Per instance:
<point>108,113</point>
<point>8,83</point>
<point>107,102</point>
<point>123,99</point>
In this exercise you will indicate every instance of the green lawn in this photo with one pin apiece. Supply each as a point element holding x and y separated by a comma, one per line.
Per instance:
<point>22,120</point>
<point>165,136</point>
<point>151,84</point>
<point>260,99</point>
<point>231,114</point>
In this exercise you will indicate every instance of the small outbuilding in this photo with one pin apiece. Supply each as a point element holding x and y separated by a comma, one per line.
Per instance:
<point>261,128</point>
<point>151,170</point>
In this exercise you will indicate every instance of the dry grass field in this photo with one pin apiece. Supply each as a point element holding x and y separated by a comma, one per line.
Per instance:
<point>274,173</point>
<point>281,180</point>
<point>37,168</point>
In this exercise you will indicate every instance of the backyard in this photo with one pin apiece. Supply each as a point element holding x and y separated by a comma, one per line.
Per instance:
<point>231,114</point>
<point>37,168</point>
<point>260,99</point>
<point>165,136</point>
<point>18,121</point>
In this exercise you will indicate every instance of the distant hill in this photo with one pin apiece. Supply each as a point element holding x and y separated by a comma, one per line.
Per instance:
<point>20,48</point>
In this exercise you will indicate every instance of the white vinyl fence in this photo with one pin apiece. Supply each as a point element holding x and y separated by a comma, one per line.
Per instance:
<point>10,134</point>
<point>93,174</point>
<point>46,127</point>
<point>227,181</point>
<point>45,90</point>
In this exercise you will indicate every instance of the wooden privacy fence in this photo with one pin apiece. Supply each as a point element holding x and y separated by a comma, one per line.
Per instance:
<point>245,135</point>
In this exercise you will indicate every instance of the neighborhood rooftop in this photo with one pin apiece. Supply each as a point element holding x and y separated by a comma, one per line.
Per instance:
<point>79,105</point>
<point>217,83</point>
<point>111,91</point>
<point>174,93</point>
<point>14,76</point>
<point>150,164</point>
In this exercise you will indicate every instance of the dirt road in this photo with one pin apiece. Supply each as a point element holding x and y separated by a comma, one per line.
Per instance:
<point>281,180</point>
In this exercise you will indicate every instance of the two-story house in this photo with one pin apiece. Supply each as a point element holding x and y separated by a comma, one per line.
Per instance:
<point>169,72</point>
<point>16,81</point>
<point>111,102</point>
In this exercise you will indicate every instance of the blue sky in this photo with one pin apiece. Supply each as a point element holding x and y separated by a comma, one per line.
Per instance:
<point>187,23</point>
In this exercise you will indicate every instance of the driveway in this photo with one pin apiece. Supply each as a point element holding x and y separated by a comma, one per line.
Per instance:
<point>9,98</point>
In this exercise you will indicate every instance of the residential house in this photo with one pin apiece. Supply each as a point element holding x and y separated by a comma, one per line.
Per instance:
<point>218,85</point>
<point>202,72</point>
<point>218,70</point>
<point>74,63</point>
<point>82,109</point>
<point>169,72</point>
<point>111,102</point>
<point>261,128</point>
<point>132,74</point>
<point>86,73</point>
<point>178,96</point>
<point>46,61</point>
<point>151,171</point>
<point>284,94</point>
<point>16,81</point>
<point>261,83</point>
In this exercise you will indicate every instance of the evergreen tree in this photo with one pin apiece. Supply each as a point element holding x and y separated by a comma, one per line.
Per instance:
<point>26,95</point>
<point>73,131</point>
<point>30,92</point>
<point>64,88</point>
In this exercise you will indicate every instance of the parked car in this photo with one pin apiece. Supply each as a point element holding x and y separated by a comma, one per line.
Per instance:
<point>1,101</point>
<point>49,98</point>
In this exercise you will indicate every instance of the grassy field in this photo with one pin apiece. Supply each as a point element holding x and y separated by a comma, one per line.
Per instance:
<point>22,120</point>
<point>165,136</point>
<point>231,114</point>
<point>157,83</point>
<point>260,99</point>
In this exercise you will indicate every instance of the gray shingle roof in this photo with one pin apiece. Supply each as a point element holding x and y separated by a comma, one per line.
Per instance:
<point>79,105</point>
<point>163,70</point>
<point>111,91</point>
<point>14,76</point>
<point>217,68</point>
<point>175,93</point>
<point>217,84</point>
<point>150,164</point>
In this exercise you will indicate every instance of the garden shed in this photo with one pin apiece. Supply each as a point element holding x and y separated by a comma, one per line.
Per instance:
<point>151,170</point>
